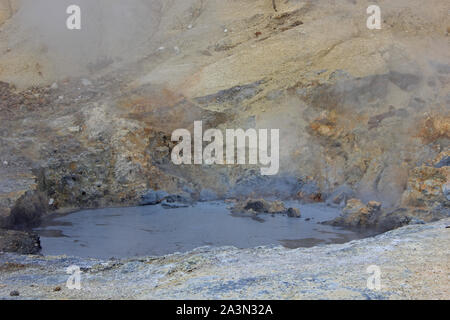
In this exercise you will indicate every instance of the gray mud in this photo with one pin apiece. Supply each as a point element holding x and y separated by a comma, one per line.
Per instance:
<point>155,231</point>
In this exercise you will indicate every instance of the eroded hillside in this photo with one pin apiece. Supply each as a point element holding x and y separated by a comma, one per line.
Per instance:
<point>362,113</point>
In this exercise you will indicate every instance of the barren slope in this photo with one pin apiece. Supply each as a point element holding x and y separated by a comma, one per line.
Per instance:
<point>362,109</point>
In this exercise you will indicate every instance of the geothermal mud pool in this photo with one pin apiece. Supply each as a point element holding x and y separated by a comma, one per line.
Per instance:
<point>153,230</point>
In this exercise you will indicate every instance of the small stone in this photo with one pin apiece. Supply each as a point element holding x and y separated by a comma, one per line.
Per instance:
<point>74,129</point>
<point>293,213</point>
<point>14,293</point>
<point>54,86</point>
<point>5,163</point>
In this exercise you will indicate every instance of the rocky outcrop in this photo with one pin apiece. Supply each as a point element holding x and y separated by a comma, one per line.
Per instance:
<point>168,201</point>
<point>425,199</point>
<point>428,184</point>
<point>339,197</point>
<point>152,197</point>
<point>19,241</point>
<point>372,217</point>
<point>256,206</point>
<point>357,214</point>
<point>27,211</point>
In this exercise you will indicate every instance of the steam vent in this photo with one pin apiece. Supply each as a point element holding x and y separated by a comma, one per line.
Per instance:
<point>221,149</point>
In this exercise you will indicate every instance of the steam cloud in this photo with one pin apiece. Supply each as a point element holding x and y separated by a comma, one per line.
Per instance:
<point>113,31</point>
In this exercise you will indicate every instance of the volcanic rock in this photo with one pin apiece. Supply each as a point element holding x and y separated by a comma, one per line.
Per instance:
<point>19,241</point>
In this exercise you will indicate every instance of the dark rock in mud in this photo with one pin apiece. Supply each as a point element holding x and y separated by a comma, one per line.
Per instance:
<point>173,205</point>
<point>261,206</point>
<point>256,206</point>
<point>293,213</point>
<point>393,220</point>
<point>152,197</point>
<point>175,201</point>
<point>19,242</point>
<point>168,200</point>
<point>400,217</point>
<point>181,198</point>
